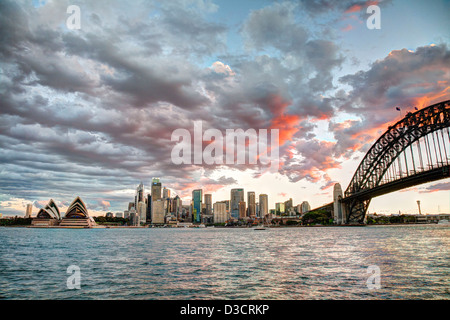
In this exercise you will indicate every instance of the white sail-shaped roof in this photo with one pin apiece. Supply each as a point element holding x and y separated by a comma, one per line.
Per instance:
<point>77,209</point>
<point>50,211</point>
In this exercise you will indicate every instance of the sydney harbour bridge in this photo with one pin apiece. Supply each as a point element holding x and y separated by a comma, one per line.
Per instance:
<point>413,151</point>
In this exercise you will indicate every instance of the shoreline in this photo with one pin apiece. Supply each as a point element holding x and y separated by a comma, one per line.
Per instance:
<point>213,227</point>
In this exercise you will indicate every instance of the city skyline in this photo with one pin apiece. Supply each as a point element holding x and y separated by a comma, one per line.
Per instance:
<point>90,112</point>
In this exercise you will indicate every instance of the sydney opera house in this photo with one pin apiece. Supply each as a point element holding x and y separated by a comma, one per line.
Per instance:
<point>77,216</point>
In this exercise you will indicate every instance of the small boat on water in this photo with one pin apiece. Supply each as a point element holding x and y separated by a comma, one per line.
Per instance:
<point>259,227</point>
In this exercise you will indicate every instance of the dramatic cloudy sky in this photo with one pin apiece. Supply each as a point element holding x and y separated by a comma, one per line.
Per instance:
<point>90,112</point>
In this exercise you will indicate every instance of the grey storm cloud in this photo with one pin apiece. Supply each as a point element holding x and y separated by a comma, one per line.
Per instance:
<point>94,109</point>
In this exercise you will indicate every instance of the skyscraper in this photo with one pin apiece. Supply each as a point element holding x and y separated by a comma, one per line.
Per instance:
<point>142,211</point>
<point>29,210</point>
<point>251,204</point>
<point>158,216</point>
<point>155,195</point>
<point>263,205</point>
<point>139,196</point>
<point>197,196</point>
<point>177,206</point>
<point>149,208</point>
<point>220,212</point>
<point>242,211</point>
<point>237,195</point>
<point>288,205</point>
<point>279,207</point>
<point>156,189</point>
<point>166,193</point>
<point>305,206</point>
<point>208,203</point>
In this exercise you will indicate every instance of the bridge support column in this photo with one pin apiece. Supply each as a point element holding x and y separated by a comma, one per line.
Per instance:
<point>339,210</point>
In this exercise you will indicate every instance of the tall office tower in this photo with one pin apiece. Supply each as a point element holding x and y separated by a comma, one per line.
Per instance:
<point>166,193</point>
<point>158,215</point>
<point>177,206</point>
<point>29,210</point>
<point>139,196</point>
<point>305,207</point>
<point>126,214</point>
<point>220,212</point>
<point>237,195</point>
<point>142,211</point>
<point>131,205</point>
<point>251,204</point>
<point>208,204</point>
<point>156,189</point>
<point>263,205</point>
<point>242,210</point>
<point>197,196</point>
<point>149,208</point>
<point>167,205</point>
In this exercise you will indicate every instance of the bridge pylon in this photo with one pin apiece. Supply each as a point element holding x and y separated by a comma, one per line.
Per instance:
<point>339,208</point>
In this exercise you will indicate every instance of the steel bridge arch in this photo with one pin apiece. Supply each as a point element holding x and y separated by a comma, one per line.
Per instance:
<point>386,150</point>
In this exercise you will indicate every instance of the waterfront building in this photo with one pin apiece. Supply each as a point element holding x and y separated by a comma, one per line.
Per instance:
<point>186,212</point>
<point>126,214</point>
<point>158,213</point>
<point>142,211</point>
<point>208,204</point>
<point>220,212</point>
<point>197,204</point>
<point>77,216</point>
<point>47,216</point>
<point>109,215</point>
<point>134,218</point>
<point>119,214</point>
<point>288,205</point>
<point>242,211</point>
<point>237,195</point>
<point>251,204</point>
<point>263,205</point>
<point>305,207</point>
<point>29,210</point>
<point>279,207</point>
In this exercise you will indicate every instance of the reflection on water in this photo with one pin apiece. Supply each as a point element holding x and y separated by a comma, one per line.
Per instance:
<point>215,263</point>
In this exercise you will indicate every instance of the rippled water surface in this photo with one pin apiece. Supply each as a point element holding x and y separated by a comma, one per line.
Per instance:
<point>217,263</point>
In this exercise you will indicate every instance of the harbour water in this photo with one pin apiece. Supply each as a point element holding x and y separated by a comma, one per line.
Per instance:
<point>227,263</point>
